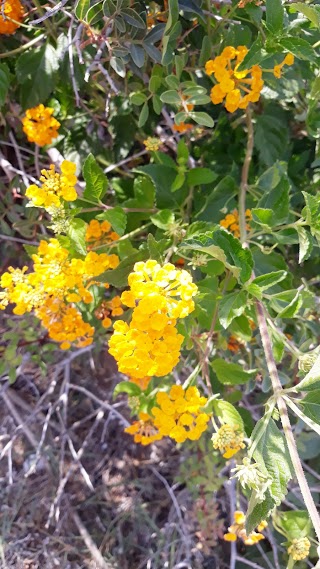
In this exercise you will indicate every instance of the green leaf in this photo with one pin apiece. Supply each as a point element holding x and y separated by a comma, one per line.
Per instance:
<point>133,18</point>
<point>231,374</point>
<point>272,456</point>
<point>137,98</point>
<point>169,41</point>
<point>119,277</point>
<point>262,216</point>
<point>178,182</point>
<point>77,233</point>
<point>312,213</point>
<point>4,82</point>
<point>127,387</point>
<point>96,181</point>
<point>137,54</point>
<point>294,524</point>
<point>182,152</point>
<point>202,118</point>
<point>277,200</point>
<point>274,16</point>
<point>286,303</point>
<point>198,176</point>
<point>311,405</point>
<point>266,281</point>
<point>299,47</point>
<point>81,9</point>
<point>221,245</point>
<point>154,249</point>
<point>36,71</point>
<point>163,219</point>
<point>162,177</point>
<point>255,55</point>
<point>231,306</point>
<point>309,11</point>
<point>173,6</point>
<point>271,135</point>
<point>171,97</point>
<point>116,217</point>
<point>227,413</point>
<point>172,82</point>
<point>305,243</point>
<point>206,50</point>
<point>143,117</point>
<point>311,381</point>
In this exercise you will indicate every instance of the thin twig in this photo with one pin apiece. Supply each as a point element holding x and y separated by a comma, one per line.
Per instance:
<point>92,548</point>
<point>244,177</point>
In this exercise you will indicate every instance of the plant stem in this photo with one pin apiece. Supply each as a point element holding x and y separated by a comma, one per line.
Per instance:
<point>22,47</point>
<point>244,177</point>
<point>292,447</point>
<point>267,346</point>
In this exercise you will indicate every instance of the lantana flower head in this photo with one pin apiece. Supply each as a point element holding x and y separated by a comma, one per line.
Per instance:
<point>144,430</point>
<point>55,187</point>
<point>229,440</point>
<point>299,548</point>
<point>179,414</point>
<point>100,233</point>
<point>237,530</point>
<point>231,222</point>
<point>288,60</point>
<point>40,126</point>
<point>236,88</point>
<point>11,13</point>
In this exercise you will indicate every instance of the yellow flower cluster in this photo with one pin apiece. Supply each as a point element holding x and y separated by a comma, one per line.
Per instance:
<point>179,416</point>
<point>237,88</point>
<point>100,234</point>
<point>39,125</point>
<point>231,222</point>
<point>55,279</point>
<point>229,440</point>
<point>152,144</point>
<point>288,60</point>
<point>144,431</point>
<point>299,548</point>
<point>237,529</point>
<point>55,187</point>
<point>11,13</point>
<point>150,344</point>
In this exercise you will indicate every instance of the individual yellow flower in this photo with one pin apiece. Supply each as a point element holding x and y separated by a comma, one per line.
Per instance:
<point>238,88</point>
<point>288,60</point>
<point>11,13</point>
<point>144,430</point>
<point>299,548</point>
<point>229,440</point>
<point>237,529</point>
<point>40,126</point>
<point>231,222</point>
<point>55,187</point>
<point>152,144</point>
<point>179,414</point>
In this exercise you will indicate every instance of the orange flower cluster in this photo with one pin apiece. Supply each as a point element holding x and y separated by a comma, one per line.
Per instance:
<point>237,88</point>
<point>40,126</point>
<point>182,127</point>
<point>237,529</point>
<point>178,416</point>
<point>109,308</point>
<point>11,13</point>
<point>231,222</point>
<point>100,234</point>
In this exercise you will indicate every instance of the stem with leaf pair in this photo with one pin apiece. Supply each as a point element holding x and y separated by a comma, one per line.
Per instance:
<point>267,346</point>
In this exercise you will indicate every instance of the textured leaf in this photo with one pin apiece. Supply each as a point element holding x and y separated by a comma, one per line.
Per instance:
<point>299,47</point>
<point>96,181</point>
<point>231,306</point>
<point>119,277</point>
<point>266,281</point>
<point>77,233</point>
<point>309,11</point>
<point>272,456</point>
<point>4,82</point>
<point>294,524</point>
<point>82,8</point>
<point>221,245</point>
<point>311,405</point>
<point>36,71</point>
<point>163,218</point>
<point>274,16</point>
<point>116,217</point>
<point>231,374</point>
<point>305,243</point>
<point>227,413</point>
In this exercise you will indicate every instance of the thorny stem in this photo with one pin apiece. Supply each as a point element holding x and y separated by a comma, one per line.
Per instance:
<point>267,346</point>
